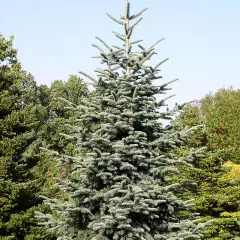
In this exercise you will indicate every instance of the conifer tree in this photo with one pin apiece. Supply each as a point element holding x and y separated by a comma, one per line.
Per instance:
<point>120,186</point>
<point>21,115</point>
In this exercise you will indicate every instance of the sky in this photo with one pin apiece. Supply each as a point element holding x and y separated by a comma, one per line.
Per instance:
<point>202,39</point>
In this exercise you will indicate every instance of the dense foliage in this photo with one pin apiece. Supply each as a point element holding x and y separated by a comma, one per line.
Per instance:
<point>52,131</point>
<point>116,170</point>
<point>21,117</point>
<point>216,177</point>
<point>31,117</point>
<point>220,114</point>
<point>120,186</point>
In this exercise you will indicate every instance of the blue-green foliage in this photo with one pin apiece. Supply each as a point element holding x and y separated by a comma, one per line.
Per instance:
<point>120,185</point>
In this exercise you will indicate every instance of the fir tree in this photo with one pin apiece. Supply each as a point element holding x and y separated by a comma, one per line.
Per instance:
<point>120,186</point>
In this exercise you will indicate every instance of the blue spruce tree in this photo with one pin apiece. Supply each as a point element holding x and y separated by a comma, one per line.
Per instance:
<point>120,185</point>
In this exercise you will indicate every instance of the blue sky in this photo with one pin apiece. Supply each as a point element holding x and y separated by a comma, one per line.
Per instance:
<point>54,39</point>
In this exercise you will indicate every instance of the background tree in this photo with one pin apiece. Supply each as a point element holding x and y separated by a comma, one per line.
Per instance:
<point>21,116</point>
<point>220,114</point>
<point>216,188</point>
<point>73,90</point>
<point>57,119</point>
